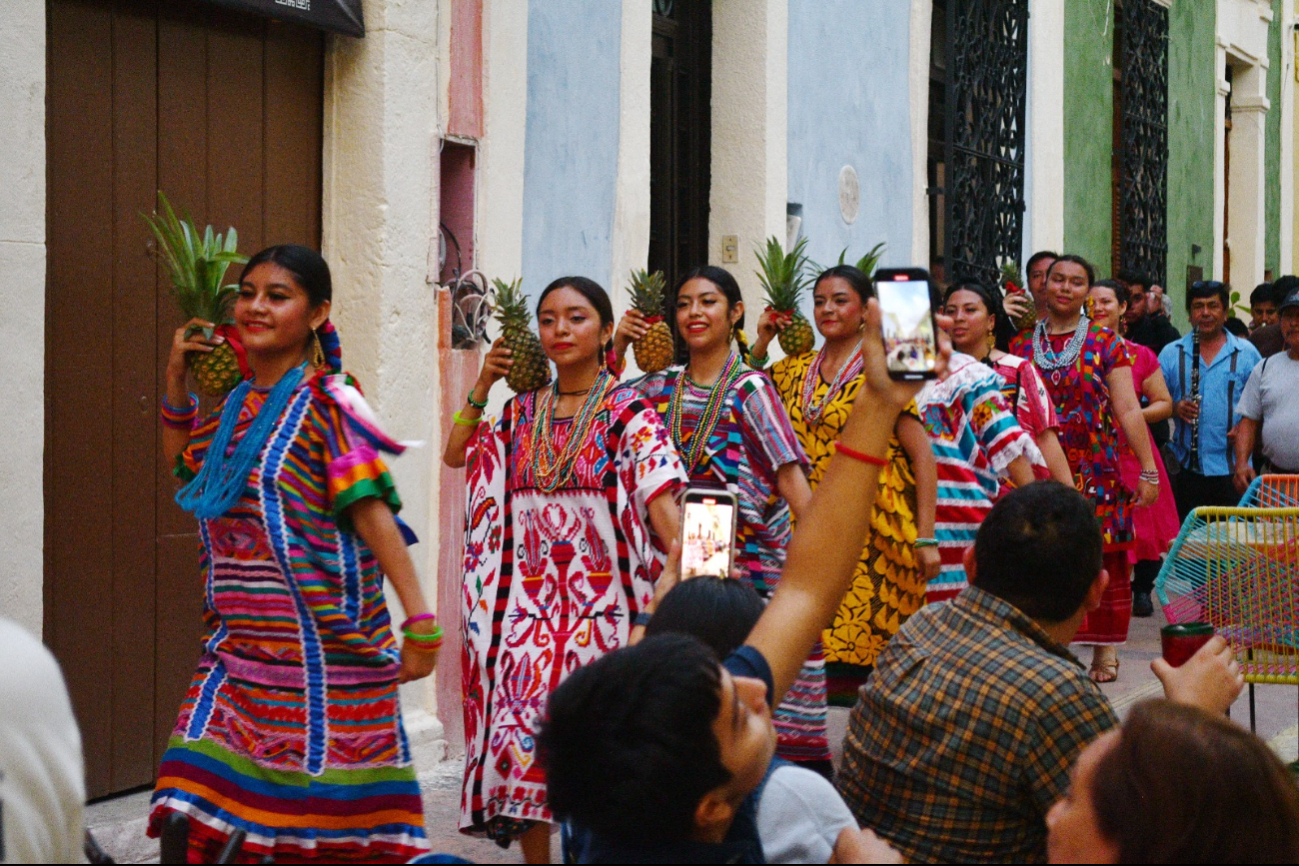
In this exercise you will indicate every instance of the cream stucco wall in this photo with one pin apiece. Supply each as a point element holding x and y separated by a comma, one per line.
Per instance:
<point>1044,169</point>
<point>379,219</point>
<point>922,14</point>
<point>749,136</point>
<point>631,214</point>
<point>22,325</point>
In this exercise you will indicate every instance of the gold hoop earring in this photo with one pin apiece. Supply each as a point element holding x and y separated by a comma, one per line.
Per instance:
<point>317,351</point>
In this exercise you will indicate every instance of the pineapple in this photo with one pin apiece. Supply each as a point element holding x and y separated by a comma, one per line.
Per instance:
<point>531,368</point>
<point>866,264</point>
<point>197,264</point>
<point>784,276</point>
<point>655,350</point>
<point>1013,283</point>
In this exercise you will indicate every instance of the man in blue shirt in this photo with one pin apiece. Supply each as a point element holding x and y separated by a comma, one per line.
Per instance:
<point>1204,414</point>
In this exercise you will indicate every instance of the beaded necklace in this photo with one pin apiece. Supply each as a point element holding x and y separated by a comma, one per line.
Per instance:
<point>222,479</point>
<point>812,409</point>
<point>1046,358</point>
<point>711,414</point>
<point>550,471</point>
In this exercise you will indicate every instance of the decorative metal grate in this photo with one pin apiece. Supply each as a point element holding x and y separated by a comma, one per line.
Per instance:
<point>1143,199</point>
<point>987,70</point>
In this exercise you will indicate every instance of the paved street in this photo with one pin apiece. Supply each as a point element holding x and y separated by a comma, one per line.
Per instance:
<point>119,823</point>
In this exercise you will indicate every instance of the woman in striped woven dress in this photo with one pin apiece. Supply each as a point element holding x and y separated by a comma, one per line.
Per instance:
<point>731,430</point>
<point>564,493</point>
<point>291,729</point>
<point>900,554</point>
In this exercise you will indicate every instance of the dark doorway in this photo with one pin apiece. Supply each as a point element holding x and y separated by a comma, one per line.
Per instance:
<point>680,132</point>
<point>223,111</point>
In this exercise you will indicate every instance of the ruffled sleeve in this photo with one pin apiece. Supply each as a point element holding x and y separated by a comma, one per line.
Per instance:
<point>649,463</point>
<point>768,433</point>
<point>353,468</point>
<point>997,429</point>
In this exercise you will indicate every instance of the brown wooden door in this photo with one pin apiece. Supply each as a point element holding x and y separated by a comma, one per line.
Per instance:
<point>223,112</point>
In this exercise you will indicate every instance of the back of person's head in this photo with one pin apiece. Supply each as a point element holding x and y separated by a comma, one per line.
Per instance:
<point>718,611</point>
<point>1236,326</point>
<point>628,742</point>
<point>1182,785</point>
<point>1282,287</point>
<point>1040,549</point>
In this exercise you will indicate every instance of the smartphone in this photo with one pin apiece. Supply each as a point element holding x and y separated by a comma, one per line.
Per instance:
<point>708,519</point>
<point>910,334</point>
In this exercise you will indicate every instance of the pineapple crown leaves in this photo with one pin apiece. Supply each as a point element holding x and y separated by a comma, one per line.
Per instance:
<point>783,274</point>
<point>509,304</point>
<point>867,263</point>
<point>1010,273</point>
<point>648,291</point>
<point>196,263</point>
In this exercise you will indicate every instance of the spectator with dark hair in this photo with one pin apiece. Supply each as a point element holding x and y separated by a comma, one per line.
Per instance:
<point>1176,785</point>
<point>717,611</point>
<point>1146,322</point>
<point>1039,264</point>
<point>1270,406</point>
<point>656,750</point>
<point>1205,388</point>
<point>964,735</point>
<point>1268,339</point>
<point>1263,306</point>
<point>1236,327</point>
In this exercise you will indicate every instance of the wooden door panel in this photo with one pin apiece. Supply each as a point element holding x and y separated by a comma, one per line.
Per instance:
<point>142,95</point>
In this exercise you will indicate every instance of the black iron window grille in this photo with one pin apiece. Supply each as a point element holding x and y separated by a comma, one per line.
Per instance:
<point>987,72</point>
<point>1143,150</point>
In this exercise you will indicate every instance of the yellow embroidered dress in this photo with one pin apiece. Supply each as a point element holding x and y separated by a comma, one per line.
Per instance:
<point>887,587</point>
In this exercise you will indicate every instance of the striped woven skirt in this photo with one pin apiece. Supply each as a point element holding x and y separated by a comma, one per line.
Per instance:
<point>800,718</point>
<point>239,760</point>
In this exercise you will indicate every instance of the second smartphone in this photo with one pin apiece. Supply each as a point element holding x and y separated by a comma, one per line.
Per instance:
<point>910,333</point>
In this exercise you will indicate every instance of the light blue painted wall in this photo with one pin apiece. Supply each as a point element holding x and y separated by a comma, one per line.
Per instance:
<point>849,104</point>
<point>570,168</point>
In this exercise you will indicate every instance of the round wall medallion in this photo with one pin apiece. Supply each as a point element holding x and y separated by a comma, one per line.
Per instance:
<point>849,193</point>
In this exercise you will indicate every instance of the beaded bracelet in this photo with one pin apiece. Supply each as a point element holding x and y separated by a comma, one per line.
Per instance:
<point>925,542</point>
<point>180,418</point>
<point>472,402</point>
<point>757,362</point>
<point>1150,476</point>
<point>859,456</point>
<point>465,422</point>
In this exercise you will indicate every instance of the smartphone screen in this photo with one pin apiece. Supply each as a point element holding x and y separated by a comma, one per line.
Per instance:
<point>910,346</point>
<point>707,534</point>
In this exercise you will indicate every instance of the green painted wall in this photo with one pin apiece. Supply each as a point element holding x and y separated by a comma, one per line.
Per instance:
<point>1272,158</point>
<point>1088,126</point>
<point>1192,90</point>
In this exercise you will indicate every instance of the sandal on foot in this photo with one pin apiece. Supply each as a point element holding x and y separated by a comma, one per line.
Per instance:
<point>1104,671</point>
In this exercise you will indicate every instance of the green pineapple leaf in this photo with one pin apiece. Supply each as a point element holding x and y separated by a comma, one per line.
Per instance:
<point>867,263</point>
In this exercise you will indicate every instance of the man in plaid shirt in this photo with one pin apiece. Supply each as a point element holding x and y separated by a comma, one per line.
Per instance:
<point>964,735</point>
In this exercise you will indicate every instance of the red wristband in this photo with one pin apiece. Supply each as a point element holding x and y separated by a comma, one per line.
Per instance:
<point>857,455</point>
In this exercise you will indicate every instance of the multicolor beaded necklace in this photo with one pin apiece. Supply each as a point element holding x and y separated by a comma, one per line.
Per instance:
<point>712,413</point>
<point>550,471</point>
<point>812,408</point>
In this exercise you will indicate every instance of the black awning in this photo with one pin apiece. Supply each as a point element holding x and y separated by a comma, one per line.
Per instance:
<point>336,16</point>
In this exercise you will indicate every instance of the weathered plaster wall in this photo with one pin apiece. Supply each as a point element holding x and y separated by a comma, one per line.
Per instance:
<point>22,325</point>
<point>1044,114</point>
<point>501,150</point>
<point>381,104</point>
<point>749,138</point>
<point>849,105</point>
<point>922,13</point>
<point>571,165</point>
<point>1272,161</point>
<point>1192,89</point>
<point>631,216</point>
<point>1089,96</point>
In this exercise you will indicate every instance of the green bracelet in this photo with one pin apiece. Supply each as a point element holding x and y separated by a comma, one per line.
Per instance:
<point>756,361</point>
<point>475,403</point>
<point>925,542</point>
<point>465,422</point>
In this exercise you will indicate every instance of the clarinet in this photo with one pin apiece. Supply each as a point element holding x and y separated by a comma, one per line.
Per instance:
<point>1195,398</point>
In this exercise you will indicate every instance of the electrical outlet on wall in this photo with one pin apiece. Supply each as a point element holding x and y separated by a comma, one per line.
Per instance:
<point>730,249</point>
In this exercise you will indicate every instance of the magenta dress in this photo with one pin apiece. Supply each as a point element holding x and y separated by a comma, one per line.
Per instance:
<point>1154,526</point>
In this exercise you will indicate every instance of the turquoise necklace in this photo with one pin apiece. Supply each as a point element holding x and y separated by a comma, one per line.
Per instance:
<point>222,479</point>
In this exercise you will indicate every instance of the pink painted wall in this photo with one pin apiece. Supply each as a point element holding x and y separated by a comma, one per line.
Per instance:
<point>456,206</point>
<point>459,369</point>
<point>466,86</point>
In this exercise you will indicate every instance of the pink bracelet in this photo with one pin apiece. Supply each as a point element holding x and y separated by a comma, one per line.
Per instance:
<point>419,617</point>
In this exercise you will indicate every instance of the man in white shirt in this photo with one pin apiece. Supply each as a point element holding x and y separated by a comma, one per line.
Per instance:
<point>42,778</point>
<point>1271,401</point>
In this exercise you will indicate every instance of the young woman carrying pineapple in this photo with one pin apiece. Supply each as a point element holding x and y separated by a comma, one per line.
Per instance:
<point>730,428</point>
<point>818,389</point>
<point>568,493</point>
<point>291,729</point>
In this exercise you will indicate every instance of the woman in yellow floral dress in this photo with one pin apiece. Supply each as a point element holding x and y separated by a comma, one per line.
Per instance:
<point>900,555</point>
